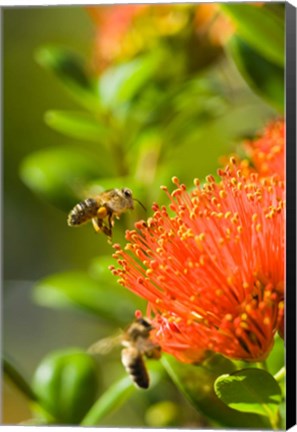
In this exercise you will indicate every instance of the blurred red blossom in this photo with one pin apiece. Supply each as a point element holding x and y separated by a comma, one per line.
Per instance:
<point>267,152</point>
<point>124,31</point>
<point>211,266</point>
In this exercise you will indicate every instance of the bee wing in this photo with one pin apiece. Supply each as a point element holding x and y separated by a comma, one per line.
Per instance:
<point>104,346</point>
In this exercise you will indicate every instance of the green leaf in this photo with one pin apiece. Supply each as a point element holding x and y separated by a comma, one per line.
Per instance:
<point>121,83</point>
<point>250,391</point>
<point>261,28</point>
<point>65,383</point>
<point>71,71</point>
<point>112,399</point>
<point>79,125</point>
<point>59,174</point>
<point>118,394</point>
<point>77,289</point>
<point>276,358</point>
<point>196,383</point>
<point>264,77</point>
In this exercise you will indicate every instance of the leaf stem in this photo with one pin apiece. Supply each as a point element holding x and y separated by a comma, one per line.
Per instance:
<point>18,380</point>
<point>280,374</point>
<point>112,399</point>
<point>262,365</point>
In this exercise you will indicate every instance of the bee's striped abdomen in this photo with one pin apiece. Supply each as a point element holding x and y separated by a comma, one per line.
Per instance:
<point>135,367</point>
<point>82,212</point>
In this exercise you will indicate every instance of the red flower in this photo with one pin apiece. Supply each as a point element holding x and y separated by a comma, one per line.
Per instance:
<point>213,271</point>
<point>267,152</point>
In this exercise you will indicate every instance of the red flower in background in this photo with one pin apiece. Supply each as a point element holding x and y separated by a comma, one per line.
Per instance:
<point>213,271</point>
<point>267,152</point>
<point>124,31</point>
<point>113,23</point>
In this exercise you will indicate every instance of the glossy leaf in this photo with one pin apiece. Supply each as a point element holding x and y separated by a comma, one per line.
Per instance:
<point>264,77</point>
<point>65,383</point>
<point>59,174</point>
<point>79,125</point>
<point>77,289</point>
<point>276,358</point>
<point>196,383</point>
<point>71,71</point>
<point>121,83</point>
<point>261,28</point>
<point>251,391</point>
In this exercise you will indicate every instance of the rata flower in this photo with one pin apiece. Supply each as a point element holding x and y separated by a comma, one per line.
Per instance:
<point>267,152</point>
<point>211,266</point>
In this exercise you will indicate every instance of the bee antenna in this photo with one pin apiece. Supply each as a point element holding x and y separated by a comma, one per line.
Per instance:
<point>134,199</point>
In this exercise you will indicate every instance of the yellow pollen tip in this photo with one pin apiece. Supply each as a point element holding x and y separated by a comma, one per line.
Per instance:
<point>254,217</point>
<point>223,194</point>
<point>232,160</point>
<point>276,149</point>
<point>244,325</point>
<point>210,179</point>
<point>258,227</point>
<point>196,182</point>
<point>175,180</point>
<point>229,280</point>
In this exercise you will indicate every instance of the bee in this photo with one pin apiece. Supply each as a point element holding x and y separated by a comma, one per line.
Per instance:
<point>102,209</point>
<point>137,345</point>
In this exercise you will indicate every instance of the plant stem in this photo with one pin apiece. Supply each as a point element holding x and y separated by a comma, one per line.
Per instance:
<point>280,374</point>
<point>18,380</point>
<point>262,365</point>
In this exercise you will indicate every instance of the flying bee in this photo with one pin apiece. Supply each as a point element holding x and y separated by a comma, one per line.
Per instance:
<point>137,345</point>
<point>102,209</point>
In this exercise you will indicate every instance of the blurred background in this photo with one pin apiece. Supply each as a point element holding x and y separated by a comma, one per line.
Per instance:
<point>154,95</point>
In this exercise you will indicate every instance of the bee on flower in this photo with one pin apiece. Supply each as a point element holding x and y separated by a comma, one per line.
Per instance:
<point>213,273</point>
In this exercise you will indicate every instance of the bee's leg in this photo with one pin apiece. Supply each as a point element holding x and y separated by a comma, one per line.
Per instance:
<point>110,223</point>
<point>96,224</point>
<point>99,225</point>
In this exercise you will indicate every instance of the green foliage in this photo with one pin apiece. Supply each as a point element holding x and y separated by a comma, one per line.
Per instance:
<point>261,28</point>
<point>72,73</point>
<point>250,390</point>
<point>112,399</point>
<point>78,289</point>
<point>120,84</point>
<point>196,383</point>
<point>79,125</point>
<point>58,174</point>
<point>65,383</point>
<point>265,77</point>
